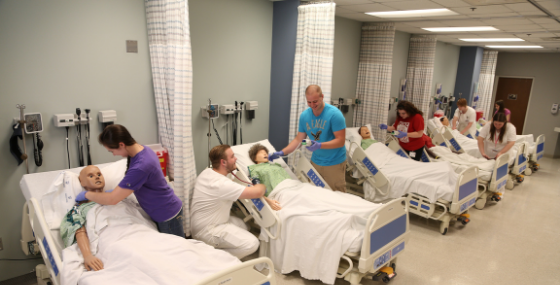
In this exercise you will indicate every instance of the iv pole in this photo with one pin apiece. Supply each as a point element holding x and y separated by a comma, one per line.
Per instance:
<point>21,124</point>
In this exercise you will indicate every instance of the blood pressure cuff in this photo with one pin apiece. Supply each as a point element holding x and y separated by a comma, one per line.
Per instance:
<point>14,147</point>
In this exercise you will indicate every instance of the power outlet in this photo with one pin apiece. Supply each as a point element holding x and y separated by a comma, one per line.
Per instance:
<point>1,244</point>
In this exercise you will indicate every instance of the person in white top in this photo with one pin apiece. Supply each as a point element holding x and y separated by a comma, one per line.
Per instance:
<point>466,116</point>
<point>213,197</point>
<point>496,138</point>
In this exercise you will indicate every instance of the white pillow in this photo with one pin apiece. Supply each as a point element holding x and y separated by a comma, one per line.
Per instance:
<point>353,136</point>
<point>113,174</point>
<point>60,198</point>
<point>241,152</point>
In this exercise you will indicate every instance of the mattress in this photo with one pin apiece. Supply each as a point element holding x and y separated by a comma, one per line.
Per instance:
<point>461,162</point>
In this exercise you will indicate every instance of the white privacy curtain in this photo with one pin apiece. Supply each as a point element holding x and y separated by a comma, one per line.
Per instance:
<point>486,81</point>
<point>170,54</point>
<point>374,76</point>
<point>420,72</point>
<point>313,59</point>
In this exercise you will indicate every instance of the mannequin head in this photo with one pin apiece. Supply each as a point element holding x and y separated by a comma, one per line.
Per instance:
<point>444,121</point>
<point>364,132</point>
<point>92,179</point>
<point>258,153</point>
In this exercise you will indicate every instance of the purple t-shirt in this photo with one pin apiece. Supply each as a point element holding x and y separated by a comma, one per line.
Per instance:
<point>506,112</point>
<point>145,178</point>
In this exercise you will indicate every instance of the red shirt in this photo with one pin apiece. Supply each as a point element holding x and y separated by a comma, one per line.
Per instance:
<point>409,125</point>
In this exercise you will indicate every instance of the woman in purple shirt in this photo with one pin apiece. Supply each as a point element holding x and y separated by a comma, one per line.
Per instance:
<point>500,108</point>
<point>144,178</point>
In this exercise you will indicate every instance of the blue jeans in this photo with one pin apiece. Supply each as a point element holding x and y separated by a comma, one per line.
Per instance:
<point>173,226</point>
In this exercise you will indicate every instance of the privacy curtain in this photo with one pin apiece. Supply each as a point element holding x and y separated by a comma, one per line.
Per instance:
<point>170,54</point>
<point>486,81</point>
<point>313,59</point>
<point>420,71</point>
<point>374,76</point>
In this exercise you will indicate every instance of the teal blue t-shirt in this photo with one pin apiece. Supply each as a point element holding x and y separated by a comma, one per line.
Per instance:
<point>322,129</point>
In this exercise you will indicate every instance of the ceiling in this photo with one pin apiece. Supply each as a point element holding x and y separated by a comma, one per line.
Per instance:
<point>513,18</point>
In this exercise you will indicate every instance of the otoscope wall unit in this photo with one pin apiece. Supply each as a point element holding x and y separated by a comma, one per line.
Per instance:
<point>69,120</point>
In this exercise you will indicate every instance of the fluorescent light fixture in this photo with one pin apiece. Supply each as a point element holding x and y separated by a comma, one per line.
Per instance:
<point>461,29</point>
<point>413,13</point>
<point>514,46</point>
<point>494,40</point>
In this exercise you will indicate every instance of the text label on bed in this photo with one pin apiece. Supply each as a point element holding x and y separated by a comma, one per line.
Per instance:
<point>369,165</point>
<point>467,204</point>
<point>315,178</point>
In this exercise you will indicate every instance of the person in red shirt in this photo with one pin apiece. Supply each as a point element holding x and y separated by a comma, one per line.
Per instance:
<point>410,125</point>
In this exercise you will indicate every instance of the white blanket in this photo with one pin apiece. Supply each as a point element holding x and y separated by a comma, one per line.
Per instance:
<point>432,180</point>
<point>470,146</point>
<point>318,227</point>
<point>461,162</point>
<point>134,252</point>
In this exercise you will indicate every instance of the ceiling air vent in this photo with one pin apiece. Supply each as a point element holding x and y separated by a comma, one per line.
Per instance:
<point>551,39</point>
<point>493,2</point>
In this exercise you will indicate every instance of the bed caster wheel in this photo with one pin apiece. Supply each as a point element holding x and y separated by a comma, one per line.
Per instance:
<point>480,203</point>
<point>509,184</point>
<point>520,178</point>
<point>385,274</point>
<point>496,198</point>
<point>536,167</point>
<point>464,219</point>
<point>528,171</point>
<point>444,232</point>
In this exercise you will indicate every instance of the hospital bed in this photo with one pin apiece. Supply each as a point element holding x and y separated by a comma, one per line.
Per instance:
<point>385,234</point>
<point>463,197</point>
<point>50,245</point>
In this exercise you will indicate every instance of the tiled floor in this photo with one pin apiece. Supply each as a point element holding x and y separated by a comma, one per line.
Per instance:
<point>516,241</point>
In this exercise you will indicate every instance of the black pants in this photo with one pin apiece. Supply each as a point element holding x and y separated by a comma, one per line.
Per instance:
<point>418,153</point>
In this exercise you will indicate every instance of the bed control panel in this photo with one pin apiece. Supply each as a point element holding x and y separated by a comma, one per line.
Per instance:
<point>315,178</point>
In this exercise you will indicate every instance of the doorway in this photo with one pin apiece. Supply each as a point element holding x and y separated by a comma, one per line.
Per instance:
<point>515,93</point>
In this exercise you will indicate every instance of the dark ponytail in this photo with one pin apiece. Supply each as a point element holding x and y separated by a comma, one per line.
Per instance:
<point>114,134</point>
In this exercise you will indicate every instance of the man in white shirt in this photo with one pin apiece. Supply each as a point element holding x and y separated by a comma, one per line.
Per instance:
<point>213,197</point>
<point>466,116</point>
<point>491,142</point>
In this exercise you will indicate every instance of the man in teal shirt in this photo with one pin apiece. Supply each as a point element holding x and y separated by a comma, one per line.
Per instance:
<point>326,126</point>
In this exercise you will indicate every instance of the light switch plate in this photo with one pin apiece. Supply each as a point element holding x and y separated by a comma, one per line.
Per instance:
<point>132,46</point>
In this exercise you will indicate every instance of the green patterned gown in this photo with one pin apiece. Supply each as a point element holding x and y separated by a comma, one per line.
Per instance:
<point>73,221</point>
<point>270,174</point>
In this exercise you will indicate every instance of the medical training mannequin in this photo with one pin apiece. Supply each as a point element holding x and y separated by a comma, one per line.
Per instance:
<point>497,137</point>
<point>444,121</point>
<point>366,137</point>
<point>72,228</point>
<point>269,174</point>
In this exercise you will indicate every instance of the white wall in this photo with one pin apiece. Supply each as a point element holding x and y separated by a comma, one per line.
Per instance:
<point>347,39</point>
<point>400,59</point>
<point>231,46</point>
<point>445,68</point>
<point>545,69</point>
<point>57,56</point>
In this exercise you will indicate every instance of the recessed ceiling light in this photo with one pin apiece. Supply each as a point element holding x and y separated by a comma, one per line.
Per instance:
<point>413,13</point>
<point>514,46</point>
<point>494,40</point>
<point>461,29</point>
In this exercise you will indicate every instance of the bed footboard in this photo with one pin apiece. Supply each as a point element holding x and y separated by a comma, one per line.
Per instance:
<point>466,191</point>
<point>306,173</point>
<point>499,174</point>
<point>385,237</point>
<point>243,274</point>
<point>539,149</point>
<point>521,158</point>
<point>50,254</point>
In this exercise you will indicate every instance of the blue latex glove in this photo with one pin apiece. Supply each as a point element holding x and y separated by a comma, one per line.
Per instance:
<point>314,146</point>
<point>109,191</point>
<point>383,126</point>
<point>81,197</point>
<point>275,155</point>
<point>401,135</point>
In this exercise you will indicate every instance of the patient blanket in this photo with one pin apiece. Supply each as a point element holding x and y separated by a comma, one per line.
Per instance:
<point>318,227</point>
<point>435,180</point>
<point>134,252</point>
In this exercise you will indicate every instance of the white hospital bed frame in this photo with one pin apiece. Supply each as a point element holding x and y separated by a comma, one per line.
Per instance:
<point>537,153</point>
<point>516,170</point>
<point>464,196</point>
<point>385,235</point>
<point>242,274</point>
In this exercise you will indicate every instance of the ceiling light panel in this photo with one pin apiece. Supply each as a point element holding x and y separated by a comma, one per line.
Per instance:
<point>461,29</point>
<point>413,13</point>
<point>493,46</point>
<point>494,40</point>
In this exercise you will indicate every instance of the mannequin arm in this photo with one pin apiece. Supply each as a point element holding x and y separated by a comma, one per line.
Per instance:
<point>275,205</point>
<point>90,261</point>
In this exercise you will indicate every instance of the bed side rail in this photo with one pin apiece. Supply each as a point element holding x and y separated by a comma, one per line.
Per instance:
<point>539,149</point>
<point>396,147</point>
<point>260,210</point>
<point>50,254</point>
<point>439,140</point>
<point>521,158</point>
<point>386,235</point>
<point>499,174</point>
<point>466,191</point>
<point>243,274</point>
<point>370,171</point>
<point>306,173</point>
<point>454,144</point>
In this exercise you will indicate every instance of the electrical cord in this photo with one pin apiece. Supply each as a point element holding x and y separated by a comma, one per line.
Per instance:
<point>216,131</point>
<point>19,259</point>
<point>67,147</point>
<point>37,147</point>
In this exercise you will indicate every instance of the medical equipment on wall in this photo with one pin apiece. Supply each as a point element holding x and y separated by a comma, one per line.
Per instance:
<point>87,138</point>
<point>227,110</point>
<point>79,138</point>
<point>21,126</point>
<point>234,126</point>
<point>107,117</point>
<point>241,122</point>
<point>250,107</point>
<point>211,112</point>
<point>393,100</point>
<point>34,125</point>
<point>554,109</point>
<point>402,92</point>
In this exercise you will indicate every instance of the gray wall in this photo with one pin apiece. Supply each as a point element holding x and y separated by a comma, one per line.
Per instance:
<point>57,56</point>
<point>400,59</point>
<point>231,50</point>
<point>545,69</point>
<point>445,68</point>
<point>347,39</point>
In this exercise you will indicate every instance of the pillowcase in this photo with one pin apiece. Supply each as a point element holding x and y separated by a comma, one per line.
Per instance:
<point>60,198</point>
<point>352,135</point>
<point>113,174</point>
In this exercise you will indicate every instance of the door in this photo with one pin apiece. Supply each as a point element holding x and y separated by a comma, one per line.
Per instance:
<point>515,93</point>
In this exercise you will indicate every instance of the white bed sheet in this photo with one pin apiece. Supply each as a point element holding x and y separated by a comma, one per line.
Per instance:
<point>340,219</point>
<point>461,162</point>
<point>470,146</point>
<point>432,180</point>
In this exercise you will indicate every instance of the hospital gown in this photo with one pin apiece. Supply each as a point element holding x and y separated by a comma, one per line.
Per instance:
<point>367,142</point>
<point>73,221</point>
<point>270,174</point>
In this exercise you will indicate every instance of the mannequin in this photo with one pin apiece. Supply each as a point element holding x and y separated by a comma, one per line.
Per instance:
<point>366,137</point>
<point>73,228</point>
<point>444,121</point>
